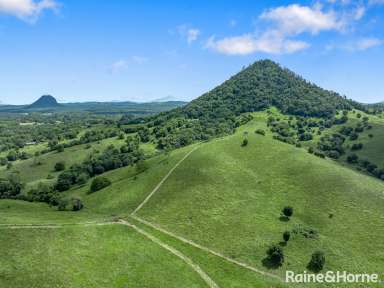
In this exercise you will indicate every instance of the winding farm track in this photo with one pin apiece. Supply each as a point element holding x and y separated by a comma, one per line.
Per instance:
<point>163,180</point>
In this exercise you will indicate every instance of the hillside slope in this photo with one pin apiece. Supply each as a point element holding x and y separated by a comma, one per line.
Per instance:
<point>229,198</point>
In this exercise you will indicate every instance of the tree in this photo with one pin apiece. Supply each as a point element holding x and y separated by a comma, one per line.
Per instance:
<point>60,148</point>
<point>245,142</point>
<point>286,236</point>
<point>317,261</point>
<point>275,255</point>
<point>99,183</point>
<point>287,211</point>
<point>352,158</point>
<point>77,204</point>
<point>60,166</point>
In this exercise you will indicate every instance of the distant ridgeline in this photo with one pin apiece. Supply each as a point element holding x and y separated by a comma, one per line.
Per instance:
<point>257,87</point>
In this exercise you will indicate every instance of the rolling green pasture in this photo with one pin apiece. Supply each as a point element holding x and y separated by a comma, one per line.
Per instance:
<point>229,198</point>
<point>92,256</point>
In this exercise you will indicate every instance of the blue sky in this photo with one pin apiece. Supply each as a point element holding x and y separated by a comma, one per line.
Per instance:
<point>141,50</point>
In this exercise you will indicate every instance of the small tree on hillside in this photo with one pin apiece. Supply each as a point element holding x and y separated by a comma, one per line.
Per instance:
<point>286,236</point>
<point>287,211</point>
<point>275,255</point>
<point>99,183</point>
<point>317,261</point>
<point>60,166</point>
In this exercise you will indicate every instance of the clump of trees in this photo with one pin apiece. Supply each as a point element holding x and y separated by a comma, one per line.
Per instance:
<point>275,255</point>
<point>110,159</point>
<point>60,166</point>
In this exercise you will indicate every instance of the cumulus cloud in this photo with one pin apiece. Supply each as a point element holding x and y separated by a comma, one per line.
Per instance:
<point>296,19</point>
<point>270,42</point>
<point>27,10</point>
<point>286,23</point>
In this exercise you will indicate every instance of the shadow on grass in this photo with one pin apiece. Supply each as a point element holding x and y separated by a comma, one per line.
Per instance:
<point>268,263</point>
<point>283,218</point>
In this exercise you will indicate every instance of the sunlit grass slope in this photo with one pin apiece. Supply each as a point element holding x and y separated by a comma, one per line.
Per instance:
<point>229,198</point>
<point>102,256</point>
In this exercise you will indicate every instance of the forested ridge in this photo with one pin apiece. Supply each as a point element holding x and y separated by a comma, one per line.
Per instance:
<point>257,87</point>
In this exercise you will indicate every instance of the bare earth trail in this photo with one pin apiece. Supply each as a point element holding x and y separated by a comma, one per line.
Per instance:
<point>152,238</point>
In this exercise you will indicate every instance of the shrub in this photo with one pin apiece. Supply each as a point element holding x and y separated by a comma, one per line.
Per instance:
<point>76,204</point>
<point>60,148</point>
<point>60,166</point>
<point>275,255</point>
<point>352,158</point>
<point>286,236</point>
<point>245,142</point>
<point>357,146</point>
<point>260,131</point>
<point>99,183</point>
<point>287,211</point>
<point>317,261</point>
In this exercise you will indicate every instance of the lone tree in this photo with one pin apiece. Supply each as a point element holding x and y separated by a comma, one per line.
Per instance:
<point>317,261</point>
<point>286,236</point>
<point>60,166</point>
<point>99,183</point>
<point>275,255</point>
<point>76,204</point>
<point>287,211</point>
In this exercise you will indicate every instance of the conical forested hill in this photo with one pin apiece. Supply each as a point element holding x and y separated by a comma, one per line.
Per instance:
<point>264,84</point>
<point>259,86</point>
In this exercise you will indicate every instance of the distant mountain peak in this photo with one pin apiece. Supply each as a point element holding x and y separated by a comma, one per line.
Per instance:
<point>45,101</point>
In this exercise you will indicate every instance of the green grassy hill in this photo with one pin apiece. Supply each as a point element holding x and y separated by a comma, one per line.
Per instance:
<point>228,198</point>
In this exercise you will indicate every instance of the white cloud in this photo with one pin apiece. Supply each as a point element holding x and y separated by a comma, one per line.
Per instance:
<point>295,19</point>
<point>27,10</point>
<point>366,43</point>
<point>271,42</point>
<point>192,35</point>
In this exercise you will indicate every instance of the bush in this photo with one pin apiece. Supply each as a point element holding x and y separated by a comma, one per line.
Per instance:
<point>317,261</point>
<point>357,146</point>
<point>286,236</point>
<point>260,131</point>
<point>275,255</point>
<point>245,142</point>
<point>287,211</point>
<point>352,158</point>
<point>60,148</point>
<point>60,166</point>
<point>99,183</point>
<point>76,204</point>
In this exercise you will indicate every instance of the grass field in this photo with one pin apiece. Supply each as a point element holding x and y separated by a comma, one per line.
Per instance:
<point>225,197</point>
<point>98,256</point>
<point>232,204</point>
